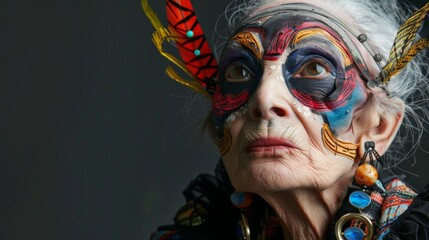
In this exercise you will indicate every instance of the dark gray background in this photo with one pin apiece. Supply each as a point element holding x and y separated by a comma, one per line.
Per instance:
<point>96,141</point>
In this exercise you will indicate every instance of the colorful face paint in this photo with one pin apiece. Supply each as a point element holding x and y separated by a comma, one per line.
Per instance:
<point>320,69</point>
<point>240,72</point>
<point>321,75</point>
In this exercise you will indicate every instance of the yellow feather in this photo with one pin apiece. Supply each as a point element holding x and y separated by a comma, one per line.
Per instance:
<point>151,15</point>
<point>403,48</point>
<point>414,50</point>
<point>162,34</point>
<point>192,84</point>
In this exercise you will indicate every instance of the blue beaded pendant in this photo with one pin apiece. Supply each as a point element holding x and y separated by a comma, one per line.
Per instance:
<point>241,199</point>
<point>354,233</point>
<point>359,199</point>
<point>237,198</point>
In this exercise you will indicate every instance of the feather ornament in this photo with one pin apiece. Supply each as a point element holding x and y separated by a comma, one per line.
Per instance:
<point>405,46</point>
<point>190,41</point>
<point>197,60</point>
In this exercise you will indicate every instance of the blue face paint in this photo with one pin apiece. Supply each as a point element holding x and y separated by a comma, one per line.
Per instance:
<point>342,116</point>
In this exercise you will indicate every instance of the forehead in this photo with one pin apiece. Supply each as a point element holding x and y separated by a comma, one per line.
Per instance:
<point>282,31</point>
<point>272,19</point>
<point>282,21</point>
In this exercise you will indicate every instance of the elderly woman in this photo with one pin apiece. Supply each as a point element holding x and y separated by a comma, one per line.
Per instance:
<point>306,96</point>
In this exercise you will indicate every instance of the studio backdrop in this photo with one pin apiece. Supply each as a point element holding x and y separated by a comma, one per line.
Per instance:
<point>96,142</point>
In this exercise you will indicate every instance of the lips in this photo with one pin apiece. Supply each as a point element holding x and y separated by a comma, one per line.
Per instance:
<point>268,145</point>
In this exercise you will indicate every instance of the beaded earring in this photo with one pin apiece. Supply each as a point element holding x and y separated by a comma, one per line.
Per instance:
<point>366,174</point>
<point>361,226</point>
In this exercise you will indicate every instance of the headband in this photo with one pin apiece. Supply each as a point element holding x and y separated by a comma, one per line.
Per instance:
<point>199,62</point>
<point>320,15</point>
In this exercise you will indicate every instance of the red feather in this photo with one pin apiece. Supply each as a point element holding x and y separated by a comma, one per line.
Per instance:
<point>191,42</point>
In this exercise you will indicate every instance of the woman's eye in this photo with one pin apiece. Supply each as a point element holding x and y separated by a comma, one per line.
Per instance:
<point>238,73</point>
<point>314,69</point>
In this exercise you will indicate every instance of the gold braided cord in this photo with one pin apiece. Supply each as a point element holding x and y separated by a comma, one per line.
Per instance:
<point>403,43</point>
<point>407,33</point>
<point>162,34</point>
<point>194,85</point>
<point>415,49</point>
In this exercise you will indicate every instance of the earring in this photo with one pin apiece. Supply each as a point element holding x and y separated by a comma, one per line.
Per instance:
<point>366,174</point>
<point>361,226</point>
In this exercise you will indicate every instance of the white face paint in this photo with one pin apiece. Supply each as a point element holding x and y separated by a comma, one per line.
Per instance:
<point>306,111</point>
<point>240,112</point>
<point>280,78</point>
<point>273,67</point>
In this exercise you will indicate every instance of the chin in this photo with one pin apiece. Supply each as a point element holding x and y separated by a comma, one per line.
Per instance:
<point>265,174</point>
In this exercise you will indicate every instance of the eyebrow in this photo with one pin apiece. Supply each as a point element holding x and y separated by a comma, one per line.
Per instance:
<point>313,32</point>
<point>251,42</point>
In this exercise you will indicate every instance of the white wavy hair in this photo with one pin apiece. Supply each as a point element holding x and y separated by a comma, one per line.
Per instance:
<point>380,21</point>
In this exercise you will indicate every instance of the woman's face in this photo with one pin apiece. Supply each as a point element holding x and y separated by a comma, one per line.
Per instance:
<point>280,81</point>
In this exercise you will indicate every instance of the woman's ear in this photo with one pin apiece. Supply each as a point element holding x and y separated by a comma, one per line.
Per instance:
<point>378,121</point>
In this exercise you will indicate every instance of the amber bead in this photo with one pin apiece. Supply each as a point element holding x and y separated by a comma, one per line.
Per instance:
<point>366,174</point>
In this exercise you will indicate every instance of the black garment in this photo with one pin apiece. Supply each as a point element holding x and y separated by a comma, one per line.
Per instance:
<point>414,222</point>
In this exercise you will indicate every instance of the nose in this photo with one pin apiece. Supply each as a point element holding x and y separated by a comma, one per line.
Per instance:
<point>270,99</point>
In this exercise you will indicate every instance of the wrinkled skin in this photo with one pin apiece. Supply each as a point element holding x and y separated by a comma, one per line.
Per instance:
<point>285,91</point>
<point>287,88</point>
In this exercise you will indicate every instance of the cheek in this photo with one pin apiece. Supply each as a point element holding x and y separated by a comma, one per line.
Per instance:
<point>223,104</point>
<point>231,158</point>
<point>229,101</point>
<point>336,108</point>
<point>340,118</point>
<point>235,126</point>
<point>306,111</point>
